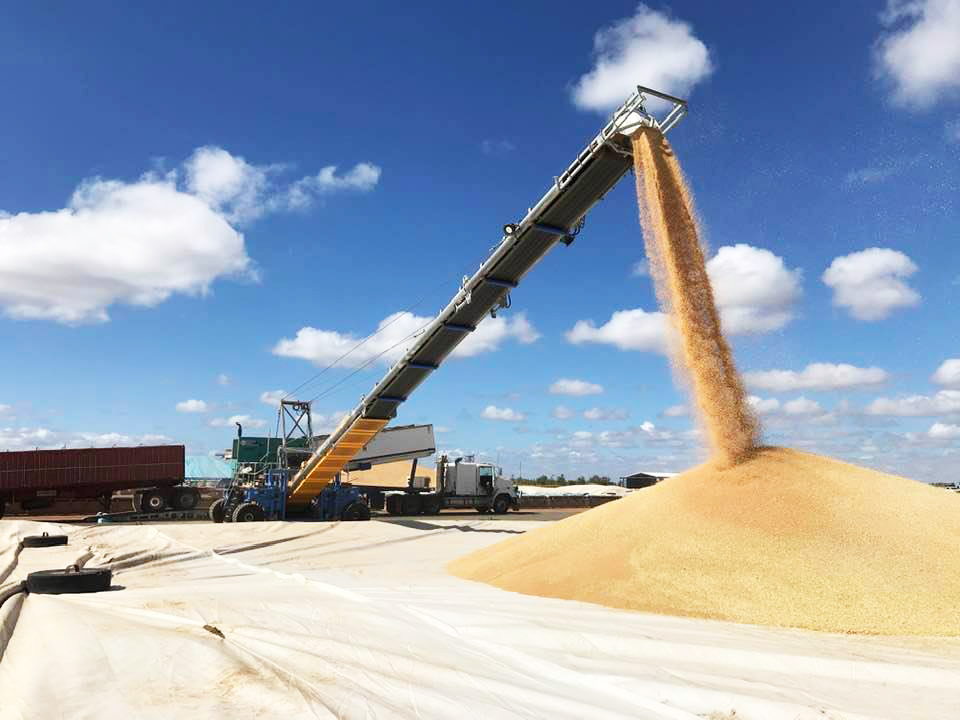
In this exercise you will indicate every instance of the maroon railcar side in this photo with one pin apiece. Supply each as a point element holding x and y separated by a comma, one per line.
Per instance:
<point>37,477</point>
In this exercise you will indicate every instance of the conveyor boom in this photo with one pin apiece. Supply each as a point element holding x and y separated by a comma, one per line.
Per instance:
<point>554,219</point>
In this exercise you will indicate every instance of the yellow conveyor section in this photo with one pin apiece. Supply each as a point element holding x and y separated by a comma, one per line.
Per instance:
<point>334,459</point>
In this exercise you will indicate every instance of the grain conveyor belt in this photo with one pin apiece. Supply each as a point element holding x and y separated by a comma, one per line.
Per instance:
<point>555,218</point>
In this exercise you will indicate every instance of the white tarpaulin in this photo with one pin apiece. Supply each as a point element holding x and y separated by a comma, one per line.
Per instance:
<point>359,620</point>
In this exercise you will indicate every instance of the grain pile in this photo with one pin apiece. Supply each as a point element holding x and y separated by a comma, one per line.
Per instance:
<point>758,535</point>
<point>784,538</point>
<point>680,274</point>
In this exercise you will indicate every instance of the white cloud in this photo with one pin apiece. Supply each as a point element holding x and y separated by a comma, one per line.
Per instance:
<point>945,402</point>
<point>245,420</point>
<point>816,376</point>
<point>223,379</point>
<point>649,49</point>
<point>867,175</point>
<point>192,406</point>
<point>676,411</point>
<point>561,412</point>
<point>920,53</point>
<point>598,413</point>
<point>492,412</point>
<point>753,288</point>
<point>948,374</point>
<point>135,243</point>
<point>942,431</point>
<point>870,282</point>
<point>390,342</point>
<point>243,192</point>
<point>5,409</point>
<point>26,438</point>
<point>763,406</point>
<point>640,269</point>
<point>497,147</point>
<point>802,406</point>
<point>626,329</point>
<point>362,177</point>
<point>952,131</point>
<point>568,386</point>
<point>272,397</point>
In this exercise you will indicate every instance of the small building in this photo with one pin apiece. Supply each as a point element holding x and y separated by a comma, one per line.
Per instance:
<point>644,479</point>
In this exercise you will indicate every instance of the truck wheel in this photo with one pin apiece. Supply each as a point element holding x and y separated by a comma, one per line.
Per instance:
<point>45,540</point>
<point>153,502</point>
<point>395,504</point>
<point>355,511</point>
<point>482,509</point>
<point>72,580</point>
<point>411,504</point>
<point>216,511</point>
<point>248,512</point>
<point>185,498</point>
<point>431,506</point>
<point>501,504</point>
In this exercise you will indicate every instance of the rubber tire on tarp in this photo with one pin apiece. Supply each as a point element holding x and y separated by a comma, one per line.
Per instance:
<point>501,504</point>
<point>45,540</point>
<point>71,580</point>
<point>248,512</point>
<point>216,511</point>
<point>355,511</point>
<point>185,498</point>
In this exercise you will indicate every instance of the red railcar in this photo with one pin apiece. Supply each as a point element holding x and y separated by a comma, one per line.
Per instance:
<point>36,478</point>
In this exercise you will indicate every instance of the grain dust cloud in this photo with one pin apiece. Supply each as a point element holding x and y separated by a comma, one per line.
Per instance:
<point>757,534</point>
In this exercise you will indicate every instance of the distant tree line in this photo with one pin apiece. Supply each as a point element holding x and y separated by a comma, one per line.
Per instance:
<point>560,480</point>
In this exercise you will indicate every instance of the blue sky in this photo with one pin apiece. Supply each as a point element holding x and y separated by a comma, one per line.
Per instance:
<point>207,203</point>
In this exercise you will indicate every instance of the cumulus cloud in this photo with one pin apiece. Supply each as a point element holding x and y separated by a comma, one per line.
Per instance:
<point>802,406</point>
<point>626,329</point>
<point>640,269</point>
<point>562,412</point>
<point>492,412</point>
<point>919,54</point>
<point>192,406</point>
<point>816,376</point>
<point>272,397</point>
<point>139,242</point>
<point>362,177</point>
<point>763,406</point>
<point>599,413</point>
<point>245,420</point>
<point>753,288</point>
<point>568,386</point>
<point>27,438</point>
<point>394,335</point>
<point>943,431</point>
<point>223,379</point>
<point>948,374</point>
<point>945,402</point>
<point>676,411</point>
<point>870,283</point>
<point>5,409</point>
<point>650,48</point>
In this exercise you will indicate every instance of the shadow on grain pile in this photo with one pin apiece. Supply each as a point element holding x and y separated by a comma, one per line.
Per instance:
<point>758,534</point>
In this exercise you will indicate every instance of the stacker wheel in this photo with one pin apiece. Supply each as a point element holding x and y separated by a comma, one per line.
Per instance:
<point>185,498</point>
<point>45,540</point>
<point>216,511</point>
<point>355,511</point>
<point>248,512</point>
<point>72,580</point>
